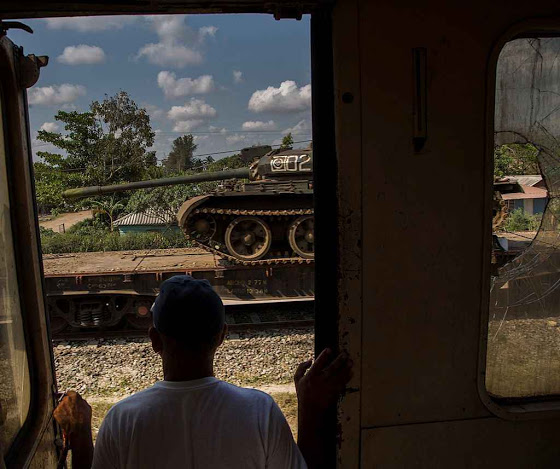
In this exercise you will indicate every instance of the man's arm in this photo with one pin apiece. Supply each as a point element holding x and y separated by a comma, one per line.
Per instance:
<point>73,414</point>
<point>318,387</point>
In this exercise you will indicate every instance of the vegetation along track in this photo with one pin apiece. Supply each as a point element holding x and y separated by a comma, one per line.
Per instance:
<point>270,315</point>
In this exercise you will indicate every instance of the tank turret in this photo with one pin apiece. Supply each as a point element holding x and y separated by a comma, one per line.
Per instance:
<point>263,216</point>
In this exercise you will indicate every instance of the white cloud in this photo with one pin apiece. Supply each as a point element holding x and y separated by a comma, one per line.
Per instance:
<point>154,112</point>
<point>302,127</point>
<point>188,125</point>
<point>56,94</point>
<point>90,23</point>
<point>223,130</point>
<point>173,55</point>
<point>237,76</point>
<point>207,31</point>
<point>258,125</point>
<point>237,138</point>
<point>82,54</point>
<point>179,45</point>
<point>175,88</point>
<point>49,126</point>
<point>193,109</point>
<point>286,98</point>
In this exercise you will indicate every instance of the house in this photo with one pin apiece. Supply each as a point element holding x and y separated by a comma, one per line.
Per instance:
<point>527,192</point>
<point>146,223</point>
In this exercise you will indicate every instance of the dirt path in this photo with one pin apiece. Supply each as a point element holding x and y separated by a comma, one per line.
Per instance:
<point>66,220</point>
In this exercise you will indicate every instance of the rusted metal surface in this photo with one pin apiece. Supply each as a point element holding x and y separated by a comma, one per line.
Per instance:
<point>250,316</point>
<point>105,299</point>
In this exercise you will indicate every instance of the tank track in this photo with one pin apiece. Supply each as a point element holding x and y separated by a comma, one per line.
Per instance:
<point>260,213</point>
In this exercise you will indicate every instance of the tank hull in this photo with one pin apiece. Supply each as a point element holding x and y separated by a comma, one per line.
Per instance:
<point>226,224</point>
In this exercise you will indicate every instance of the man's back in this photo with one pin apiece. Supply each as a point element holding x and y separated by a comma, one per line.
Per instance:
<point>203,423</point>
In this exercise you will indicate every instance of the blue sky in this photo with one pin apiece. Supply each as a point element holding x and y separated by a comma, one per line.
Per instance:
<point>231,80</point>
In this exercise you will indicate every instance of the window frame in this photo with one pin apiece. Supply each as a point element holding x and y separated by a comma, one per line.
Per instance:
<point>26,251</point>
<point>506,408</point>
<point>325,171</point>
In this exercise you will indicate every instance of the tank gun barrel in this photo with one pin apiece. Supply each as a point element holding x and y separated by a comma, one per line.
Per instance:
<point>240,173</point>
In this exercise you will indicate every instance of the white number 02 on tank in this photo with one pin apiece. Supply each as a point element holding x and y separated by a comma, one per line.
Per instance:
<point>287,163</point>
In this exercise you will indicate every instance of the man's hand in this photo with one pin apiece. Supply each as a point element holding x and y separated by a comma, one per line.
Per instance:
<point>73,414</point>
<point>321,386</point>
<point>318,387</point>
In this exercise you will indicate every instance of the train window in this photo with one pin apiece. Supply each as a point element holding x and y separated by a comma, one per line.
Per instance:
<point>208,127</point>
<point>14,369</point>
<point>523,353</point>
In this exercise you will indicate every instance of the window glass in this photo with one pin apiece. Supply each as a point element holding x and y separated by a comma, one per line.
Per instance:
<point>523,355</point>
<point>14,371</point>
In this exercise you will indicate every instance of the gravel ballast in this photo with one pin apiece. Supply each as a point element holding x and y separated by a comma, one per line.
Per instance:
<point>121,367</point>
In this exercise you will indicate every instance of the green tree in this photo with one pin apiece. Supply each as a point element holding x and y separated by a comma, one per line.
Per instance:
<point>287,141</point>
<point>181,156</point>
<point>164,202</point>
<point>110,207</point>
<point>515,159</point>
<point>127,135</point>
<point>106,145</point>
<point>49,185</point>
<point>518,220</point>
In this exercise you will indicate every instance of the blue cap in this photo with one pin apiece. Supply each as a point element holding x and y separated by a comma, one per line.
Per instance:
<point>188,309</point>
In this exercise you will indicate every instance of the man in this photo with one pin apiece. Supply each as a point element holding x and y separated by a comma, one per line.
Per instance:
<point>192,419</point>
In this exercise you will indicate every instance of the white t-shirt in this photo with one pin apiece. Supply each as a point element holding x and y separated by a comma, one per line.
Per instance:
<point>200,424</point>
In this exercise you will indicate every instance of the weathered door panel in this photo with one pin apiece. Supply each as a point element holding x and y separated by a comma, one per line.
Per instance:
<point>424,255</point>
<point>480,443</point>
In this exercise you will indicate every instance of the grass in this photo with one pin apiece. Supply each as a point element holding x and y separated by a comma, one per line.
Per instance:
<point>287,401</point>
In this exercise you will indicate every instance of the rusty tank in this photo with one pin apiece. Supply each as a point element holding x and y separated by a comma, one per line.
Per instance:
<point>258,215</point>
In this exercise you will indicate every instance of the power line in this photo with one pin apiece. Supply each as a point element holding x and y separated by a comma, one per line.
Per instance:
<point>69,170</point>
<point>220,132</point>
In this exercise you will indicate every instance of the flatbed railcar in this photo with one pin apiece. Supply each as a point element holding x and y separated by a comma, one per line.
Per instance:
<point>101,299</point>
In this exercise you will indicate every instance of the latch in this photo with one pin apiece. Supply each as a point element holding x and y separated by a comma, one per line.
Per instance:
<point>291,11</point>
<point>5,25</point>
<point>29,67</point>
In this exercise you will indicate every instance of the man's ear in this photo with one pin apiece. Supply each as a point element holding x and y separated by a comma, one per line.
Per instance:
<point>223,335</point>
<point>157,342</point>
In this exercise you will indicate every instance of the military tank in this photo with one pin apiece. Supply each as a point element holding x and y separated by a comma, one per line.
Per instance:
<point>261,214</point>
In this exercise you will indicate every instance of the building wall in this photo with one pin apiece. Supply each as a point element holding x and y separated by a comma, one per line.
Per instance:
<point>148,228</point>
<point>539,205</point>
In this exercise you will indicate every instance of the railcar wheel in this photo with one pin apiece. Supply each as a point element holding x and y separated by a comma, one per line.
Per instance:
<point>142,317</point>
<point>302,237</point>
<point>201,227</point>
<point>139,323</point>
<point>57,324</point>
<point>248,238</point>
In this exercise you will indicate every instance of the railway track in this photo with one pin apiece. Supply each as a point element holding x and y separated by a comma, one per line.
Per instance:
<point>259,316</point>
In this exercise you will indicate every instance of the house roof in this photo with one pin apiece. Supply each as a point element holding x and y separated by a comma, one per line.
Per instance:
<point>529,192</point>
<point>527,179</point>
<point>135,219</point>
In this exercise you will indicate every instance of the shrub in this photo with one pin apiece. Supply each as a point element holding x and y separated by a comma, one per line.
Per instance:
<point>518,220</point>
<point>103,240</point>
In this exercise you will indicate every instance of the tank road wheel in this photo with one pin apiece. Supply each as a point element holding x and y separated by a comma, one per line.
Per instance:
<point>301,236</point>
<point>248,238</point>
<point>201,227</point>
